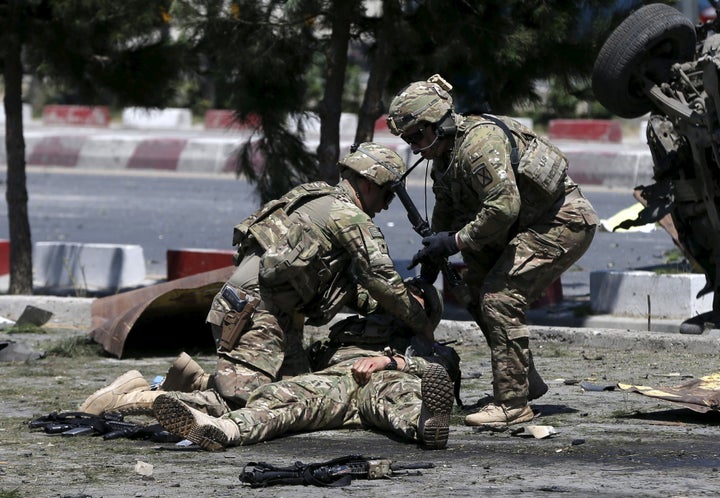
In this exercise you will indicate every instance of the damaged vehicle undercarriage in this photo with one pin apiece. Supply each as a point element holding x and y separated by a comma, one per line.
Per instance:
<point>657,61</point>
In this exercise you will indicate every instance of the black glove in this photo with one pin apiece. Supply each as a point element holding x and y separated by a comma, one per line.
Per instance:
<point>429,271</point>
<point>437,246</point>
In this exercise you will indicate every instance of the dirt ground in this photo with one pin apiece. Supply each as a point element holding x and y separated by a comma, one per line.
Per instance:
<point>608,443</point>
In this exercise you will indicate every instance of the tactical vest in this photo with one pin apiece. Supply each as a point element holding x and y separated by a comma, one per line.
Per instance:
<point>292,270</point>
<point>269,224</point>
<point>540,167</point>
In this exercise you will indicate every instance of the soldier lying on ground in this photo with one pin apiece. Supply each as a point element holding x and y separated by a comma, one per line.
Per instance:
<point>300,259</point>
<point>358,371</point>
<point>365,383</point>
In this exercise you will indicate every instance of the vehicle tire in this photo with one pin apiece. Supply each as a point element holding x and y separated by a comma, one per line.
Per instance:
<point>647,43</point>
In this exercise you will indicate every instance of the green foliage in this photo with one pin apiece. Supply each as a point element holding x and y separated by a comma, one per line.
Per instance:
<point>494,51</point>
<point>99,51</point>
<point>27,328</point>
<point>74,347</point>
<point>10,493</point>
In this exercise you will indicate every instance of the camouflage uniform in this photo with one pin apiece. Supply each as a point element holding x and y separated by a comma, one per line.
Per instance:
<point>518,238</point>
<point>414,403</point>
<point>331,399</point>
<point>520,225</point>
<point>304,257</point>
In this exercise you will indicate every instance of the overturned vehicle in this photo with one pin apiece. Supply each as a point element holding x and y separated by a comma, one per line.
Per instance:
<point>657,61</point>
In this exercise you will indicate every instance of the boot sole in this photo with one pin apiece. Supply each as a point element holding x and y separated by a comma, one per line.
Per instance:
<point>437,396</point>
<point>177,419</point>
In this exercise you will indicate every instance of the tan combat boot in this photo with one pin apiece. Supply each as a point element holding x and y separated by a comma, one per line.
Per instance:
<point>128,394</point>
<point>185,375</point>
<point>210,433</point>
<point>501,415</point>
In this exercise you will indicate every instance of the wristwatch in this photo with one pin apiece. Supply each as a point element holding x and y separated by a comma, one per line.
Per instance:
<point>390,354</point>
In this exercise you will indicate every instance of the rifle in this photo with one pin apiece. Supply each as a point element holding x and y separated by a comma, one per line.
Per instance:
<point>108,425</point>
<point>333,473</point>
<point>457,286</point>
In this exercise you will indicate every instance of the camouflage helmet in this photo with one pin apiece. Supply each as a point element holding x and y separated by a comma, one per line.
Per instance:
<point>421,101</point>
<point>375,162</point>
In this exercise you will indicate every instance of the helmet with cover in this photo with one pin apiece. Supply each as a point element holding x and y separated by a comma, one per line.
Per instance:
<point>377,163</point>
<point>422,101</point>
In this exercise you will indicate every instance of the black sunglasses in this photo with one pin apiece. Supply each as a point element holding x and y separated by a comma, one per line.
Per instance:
<point>414,137</point>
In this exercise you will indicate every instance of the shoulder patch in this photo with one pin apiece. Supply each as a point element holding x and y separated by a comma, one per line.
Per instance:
<point>483,174</point>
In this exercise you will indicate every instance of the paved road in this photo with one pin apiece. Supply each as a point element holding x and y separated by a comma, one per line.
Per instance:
<point>162,211</point>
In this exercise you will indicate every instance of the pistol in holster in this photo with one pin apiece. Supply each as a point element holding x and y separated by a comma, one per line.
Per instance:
<point>242,307</point>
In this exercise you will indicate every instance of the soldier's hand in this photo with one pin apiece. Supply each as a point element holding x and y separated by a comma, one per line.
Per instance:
<point>363,369</point>
<point>437,246</point>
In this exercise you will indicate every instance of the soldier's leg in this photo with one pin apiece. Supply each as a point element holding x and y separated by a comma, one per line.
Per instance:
<point>308,402</point>
<point>131,394</point>
<point>414,406</point>
<point>255,360</point>
<point>533,260</point>
<point>304,403</point>
<point>391,402</point>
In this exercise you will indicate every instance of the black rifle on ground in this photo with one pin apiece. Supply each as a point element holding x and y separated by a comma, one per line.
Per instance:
<point>333,473</point>
<point>108,425</point>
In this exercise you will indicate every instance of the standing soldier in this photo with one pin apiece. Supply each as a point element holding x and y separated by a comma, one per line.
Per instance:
<point>503,199</point>
<point>300,259</point>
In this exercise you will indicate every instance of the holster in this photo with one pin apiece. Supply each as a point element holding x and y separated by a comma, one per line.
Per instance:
<point>235,320</point>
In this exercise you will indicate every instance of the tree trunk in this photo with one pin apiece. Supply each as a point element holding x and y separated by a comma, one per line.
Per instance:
<point>373,106</point>
<point>330,108</point>
<point>16,193</point>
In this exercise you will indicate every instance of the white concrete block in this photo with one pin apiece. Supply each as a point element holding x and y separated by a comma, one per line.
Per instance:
<point>645,293</point>
<point>87,266</point>
<point>204,155</point>
<point>26,113</point>
<point>145,118</point>
<point>610,168</point>
<point>107,152</point>
<point>348,123</point>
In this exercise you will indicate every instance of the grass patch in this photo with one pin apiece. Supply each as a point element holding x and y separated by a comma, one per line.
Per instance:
<point>73,347</point>
<point>27,328</point>
<point>13,493</point>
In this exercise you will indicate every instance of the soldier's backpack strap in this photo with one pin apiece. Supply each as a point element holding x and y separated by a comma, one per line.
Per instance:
<point>514,152</point>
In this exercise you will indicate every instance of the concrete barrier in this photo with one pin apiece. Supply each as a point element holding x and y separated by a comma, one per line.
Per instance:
<point>223,119</point>
<point>76,115</point>
<point>168,118</point>
<point>26,114</point>
<point>209,155</point>
<point>72,265</point>
<point>643,294</point>
<point>4,257</point>
<point>620,168</point>
<point>55,150</point>
<point>603,130</point>
<point>185,262</point>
